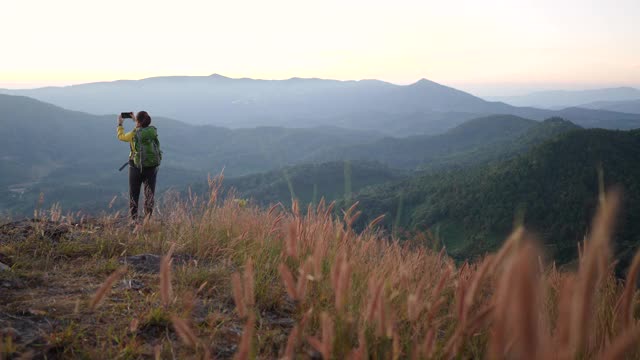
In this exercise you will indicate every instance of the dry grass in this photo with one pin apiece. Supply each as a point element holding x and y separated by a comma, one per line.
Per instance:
<point>105,288</point>
<point>350,295</point>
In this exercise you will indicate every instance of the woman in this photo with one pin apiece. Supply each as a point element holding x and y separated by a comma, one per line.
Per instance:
<point>144,160</point>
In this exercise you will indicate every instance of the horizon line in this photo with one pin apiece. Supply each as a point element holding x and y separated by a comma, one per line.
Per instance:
<point>545,87</point>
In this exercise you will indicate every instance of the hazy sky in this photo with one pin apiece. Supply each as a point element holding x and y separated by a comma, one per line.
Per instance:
<point>485,46</point>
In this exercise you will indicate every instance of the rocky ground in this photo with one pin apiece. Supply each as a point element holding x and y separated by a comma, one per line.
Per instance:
<point>50,270</point>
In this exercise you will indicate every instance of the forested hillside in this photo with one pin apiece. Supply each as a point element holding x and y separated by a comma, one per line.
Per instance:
<point>308,183</point>
<point>477,142</point>
<point>553,189</point>
<point>417,150</point>
<point>496,151</point>
<point>73,157</point>
<point>473,142</point>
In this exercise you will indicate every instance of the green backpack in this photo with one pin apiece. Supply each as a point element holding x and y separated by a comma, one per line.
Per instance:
<point>146,147</point>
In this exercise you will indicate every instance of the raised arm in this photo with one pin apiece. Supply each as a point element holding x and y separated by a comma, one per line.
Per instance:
<point>122,136</point>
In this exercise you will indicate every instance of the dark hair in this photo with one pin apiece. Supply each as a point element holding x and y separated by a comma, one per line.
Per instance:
<point>143,119</point>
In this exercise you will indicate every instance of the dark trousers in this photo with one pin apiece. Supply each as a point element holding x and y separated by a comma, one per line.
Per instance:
<point>136,179</point>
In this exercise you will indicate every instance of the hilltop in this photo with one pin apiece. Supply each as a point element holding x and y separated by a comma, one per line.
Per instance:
<point>220,279</point>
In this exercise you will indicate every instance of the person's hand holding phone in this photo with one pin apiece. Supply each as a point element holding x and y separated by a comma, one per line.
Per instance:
<point>125,115</point>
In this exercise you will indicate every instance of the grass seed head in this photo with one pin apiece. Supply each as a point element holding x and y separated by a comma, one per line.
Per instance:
<point>165,280</point>
<point>105,288</point>
<point>184,331</point>
<point>238,294</point>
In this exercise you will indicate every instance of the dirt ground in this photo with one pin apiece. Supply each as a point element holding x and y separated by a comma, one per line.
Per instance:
<point>51,272</point>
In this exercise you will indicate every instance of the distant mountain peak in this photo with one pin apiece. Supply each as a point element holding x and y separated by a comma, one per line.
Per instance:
<point>218,76</point>
<point>432,85</point>
<point>297,78</point>
<point>425,82</point>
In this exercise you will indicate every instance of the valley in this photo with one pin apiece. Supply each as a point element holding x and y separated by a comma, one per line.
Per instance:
<point>462,177</point>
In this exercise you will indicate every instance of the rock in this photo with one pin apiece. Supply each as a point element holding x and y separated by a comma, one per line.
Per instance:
<point>225,351</point>
<point>132,284</point>
<point>284,322</point>
<point>150,263</point>
<point>12,284</point>
<point>26,330</point>
<point>314,354</point>
<point>35,312</point>
<point>6,260</point>
<point>4,267</point>
<point>235,329</point>
<point>200,312</point>
<point>20,230</point>
<point>279,320</point>
<point>146,263</point>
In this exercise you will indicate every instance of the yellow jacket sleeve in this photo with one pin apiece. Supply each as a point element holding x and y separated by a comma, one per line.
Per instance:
<point>128,137</point>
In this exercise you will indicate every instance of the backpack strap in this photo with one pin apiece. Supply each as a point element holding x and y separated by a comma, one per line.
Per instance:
<point>132,146</point>
<point>141,148</point>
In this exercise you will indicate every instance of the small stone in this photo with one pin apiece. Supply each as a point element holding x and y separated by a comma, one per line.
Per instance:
<point>314,354</point>
<point>147,263</point>
<point>4,267</point>
<point>150,263</point>
<point>286,322</point>
<point>132,284</point>
<point>36,312</point>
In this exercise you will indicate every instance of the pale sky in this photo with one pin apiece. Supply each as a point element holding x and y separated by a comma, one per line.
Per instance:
<point>483,46</point>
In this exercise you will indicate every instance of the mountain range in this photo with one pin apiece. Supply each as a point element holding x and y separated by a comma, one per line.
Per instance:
<point>465,179</point>
<point>424,107</point>
<point>625,106</point>
<point>479,142</point>
<point>559,99</point>
<point>73,156</point>
<point>484,138</point>
<point>495,172</point>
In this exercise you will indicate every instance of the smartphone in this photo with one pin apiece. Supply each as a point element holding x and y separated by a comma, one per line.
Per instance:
<point>126,115</point>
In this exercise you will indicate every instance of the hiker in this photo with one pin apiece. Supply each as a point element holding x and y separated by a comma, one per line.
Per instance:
<point>144,160</point>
